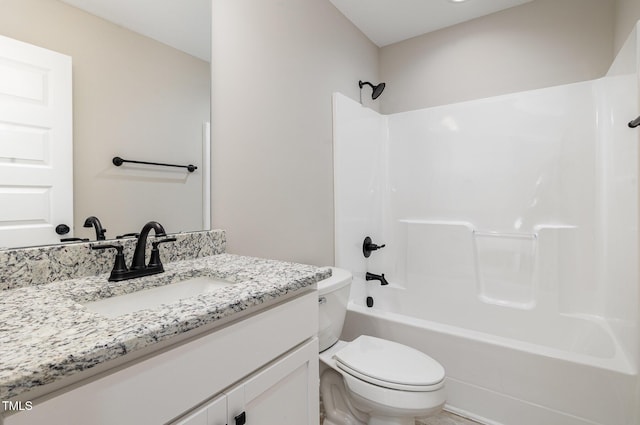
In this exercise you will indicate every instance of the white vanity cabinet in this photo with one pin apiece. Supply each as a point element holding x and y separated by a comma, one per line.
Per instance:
<point>281,393</point>
<point>264,366</point>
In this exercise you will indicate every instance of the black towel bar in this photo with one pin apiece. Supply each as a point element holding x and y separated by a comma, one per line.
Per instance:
<point>117,161</point>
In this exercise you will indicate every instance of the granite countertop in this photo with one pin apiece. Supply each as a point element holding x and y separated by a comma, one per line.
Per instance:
<point>46,335</point>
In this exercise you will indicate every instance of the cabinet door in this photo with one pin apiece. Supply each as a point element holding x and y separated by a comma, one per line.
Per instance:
<point>217,411</point>
<point>212,413</point>
<point>285,392</point>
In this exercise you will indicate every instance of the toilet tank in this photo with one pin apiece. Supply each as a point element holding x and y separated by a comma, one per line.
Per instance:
<point>333,296</point>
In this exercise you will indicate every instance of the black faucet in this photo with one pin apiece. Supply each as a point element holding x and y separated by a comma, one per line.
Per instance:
<point>100,231</point>
<point>380,277</point>
<point>139,267</point>
<point>139,262</point>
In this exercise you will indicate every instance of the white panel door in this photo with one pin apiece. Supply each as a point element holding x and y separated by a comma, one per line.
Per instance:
<point>36,163</point>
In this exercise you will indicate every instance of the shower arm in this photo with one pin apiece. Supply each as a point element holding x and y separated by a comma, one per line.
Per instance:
<point>635,123</point>
<point>362,83</point>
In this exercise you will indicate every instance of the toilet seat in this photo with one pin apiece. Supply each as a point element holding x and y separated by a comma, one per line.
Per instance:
<point>390,365</point>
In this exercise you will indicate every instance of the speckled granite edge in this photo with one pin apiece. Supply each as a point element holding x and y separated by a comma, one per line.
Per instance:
<point>46,334</point>
<point>39,265</point>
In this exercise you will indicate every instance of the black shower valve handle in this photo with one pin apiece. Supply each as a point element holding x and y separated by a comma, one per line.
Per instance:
<point>368,246</point>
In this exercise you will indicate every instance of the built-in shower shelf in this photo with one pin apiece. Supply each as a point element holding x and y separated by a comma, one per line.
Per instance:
<point>512,269</point>
<point>505,268</point>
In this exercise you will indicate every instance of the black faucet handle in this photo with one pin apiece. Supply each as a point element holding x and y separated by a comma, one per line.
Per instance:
<point>368,246</point>
<point>155,244</point>
<point>118,248</point>
<point>120,265</point>
<point>128,235</point>
<point>155,261</point>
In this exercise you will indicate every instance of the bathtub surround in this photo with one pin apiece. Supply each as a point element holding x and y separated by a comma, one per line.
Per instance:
<point>511,226</point>
<point>39,265</point>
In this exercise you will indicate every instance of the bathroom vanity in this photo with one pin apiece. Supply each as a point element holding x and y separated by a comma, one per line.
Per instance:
<point>245,352</point>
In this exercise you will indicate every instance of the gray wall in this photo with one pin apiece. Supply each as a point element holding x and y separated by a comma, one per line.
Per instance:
<point>627,14</point>
<point>275,64</point>
<point>539,44</point>
<point>132,97</point>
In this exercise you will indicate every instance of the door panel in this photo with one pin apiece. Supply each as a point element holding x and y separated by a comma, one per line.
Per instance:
<point>36,155</point>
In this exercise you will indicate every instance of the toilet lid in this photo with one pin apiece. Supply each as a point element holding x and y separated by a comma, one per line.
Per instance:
<point>389,364</point>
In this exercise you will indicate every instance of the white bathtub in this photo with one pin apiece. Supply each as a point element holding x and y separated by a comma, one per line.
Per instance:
<point>502,366</point>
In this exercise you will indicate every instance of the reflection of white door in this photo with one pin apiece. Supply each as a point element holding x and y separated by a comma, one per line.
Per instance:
<point>36,175</point>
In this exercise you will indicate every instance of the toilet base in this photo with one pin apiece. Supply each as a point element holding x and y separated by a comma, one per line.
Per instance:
<point>337,407</point>
<point>345,408</point>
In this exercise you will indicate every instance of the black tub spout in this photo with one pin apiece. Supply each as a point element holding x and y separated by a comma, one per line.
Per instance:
<point>380,277</point>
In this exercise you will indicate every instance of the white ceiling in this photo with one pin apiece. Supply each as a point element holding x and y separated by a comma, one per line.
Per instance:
<point>389,21</point>
<point>186,24</point>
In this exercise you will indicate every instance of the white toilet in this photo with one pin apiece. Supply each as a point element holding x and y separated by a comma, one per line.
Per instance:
<point>371,381</point>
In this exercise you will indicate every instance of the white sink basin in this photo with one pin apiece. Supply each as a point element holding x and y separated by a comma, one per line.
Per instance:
<point>155,297</point>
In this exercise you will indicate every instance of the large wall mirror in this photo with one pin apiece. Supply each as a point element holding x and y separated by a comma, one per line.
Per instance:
<point>136,95</point>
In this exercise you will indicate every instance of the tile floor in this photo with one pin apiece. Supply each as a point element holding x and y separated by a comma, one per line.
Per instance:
<point>446,418</point>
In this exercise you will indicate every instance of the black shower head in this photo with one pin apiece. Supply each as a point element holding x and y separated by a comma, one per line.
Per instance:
<point>377,90</point>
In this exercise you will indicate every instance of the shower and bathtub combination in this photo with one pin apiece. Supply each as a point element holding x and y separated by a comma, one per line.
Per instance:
<point>511,233</point>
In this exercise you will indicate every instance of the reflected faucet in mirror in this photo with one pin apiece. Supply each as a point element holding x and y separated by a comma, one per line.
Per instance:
<point>94,222</point>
